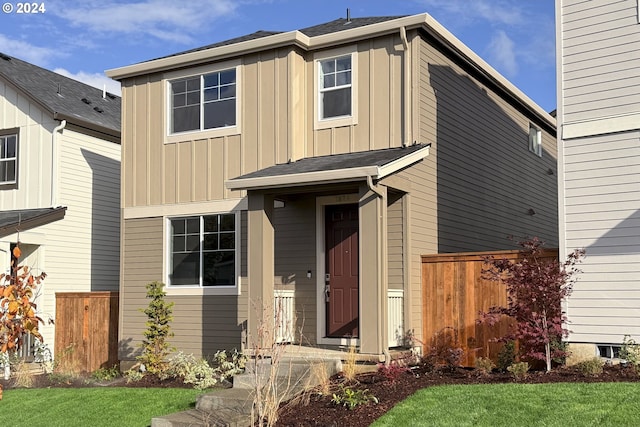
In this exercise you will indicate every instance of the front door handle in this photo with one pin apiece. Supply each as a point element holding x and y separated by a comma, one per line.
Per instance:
<point>327,290</point>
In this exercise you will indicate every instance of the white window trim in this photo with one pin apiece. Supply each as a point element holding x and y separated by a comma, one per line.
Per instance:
<point>201,290</point>
<point>12,159</point>
<point>537,149</point>
<point>319,123</point>
<point>207,133</point>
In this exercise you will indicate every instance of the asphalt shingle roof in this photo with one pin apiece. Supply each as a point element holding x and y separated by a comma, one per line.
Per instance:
<point>25,219</point>
<point>335,162</point>
<point>334,26</point>
<point>76,102</point>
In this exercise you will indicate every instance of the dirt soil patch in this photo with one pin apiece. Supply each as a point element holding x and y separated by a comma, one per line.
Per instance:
<point>317,410</point>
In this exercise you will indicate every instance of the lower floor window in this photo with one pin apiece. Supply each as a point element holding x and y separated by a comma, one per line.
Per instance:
<point>203,250</point>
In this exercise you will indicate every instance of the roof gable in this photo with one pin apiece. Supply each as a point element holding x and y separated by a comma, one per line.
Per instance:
<point>63,97</point>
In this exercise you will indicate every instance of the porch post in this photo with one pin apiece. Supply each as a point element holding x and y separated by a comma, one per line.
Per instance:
<point>260,270</point>
<point>373,270</point>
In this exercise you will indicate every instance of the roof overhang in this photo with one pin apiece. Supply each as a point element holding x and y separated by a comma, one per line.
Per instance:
<point>25,219</point>
<point>283,178</point>
<point>296,38</point>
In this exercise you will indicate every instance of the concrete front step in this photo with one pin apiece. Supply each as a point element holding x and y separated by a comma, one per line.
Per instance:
<point>232,407</point>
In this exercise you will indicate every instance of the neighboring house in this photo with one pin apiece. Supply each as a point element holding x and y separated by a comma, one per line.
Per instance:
<point>318,165</point>
<point>599,168</point>
<point>59,181</point>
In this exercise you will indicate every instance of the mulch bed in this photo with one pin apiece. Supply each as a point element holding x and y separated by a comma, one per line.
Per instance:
<point>318,410</point>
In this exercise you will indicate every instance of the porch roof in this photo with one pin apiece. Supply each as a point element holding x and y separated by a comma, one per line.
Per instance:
<point>332,169</point>
<point>25,219</point>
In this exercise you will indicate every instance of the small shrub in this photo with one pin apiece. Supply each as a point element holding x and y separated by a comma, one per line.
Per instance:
<point>484,365</point>
<point>133,375</point>
<point>42,355</point>
<point>591,368</point>
<point>519,370</point>
<point>630,351</point>
<point>155,346</point>
<point>350,398</point>
<point>192,370</point>
<point>392,371</point>
<point>106,374</point>
<point>226,366</point>
<point>507,356</point>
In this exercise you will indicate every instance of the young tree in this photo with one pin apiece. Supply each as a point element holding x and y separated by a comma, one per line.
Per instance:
<point>155,347</point>
<point>17,309</point>
<point>536,286</point>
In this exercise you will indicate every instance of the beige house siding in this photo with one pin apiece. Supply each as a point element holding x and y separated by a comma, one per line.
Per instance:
<point>599,59</point>
<point>395,241</point>
<point>202,324</point>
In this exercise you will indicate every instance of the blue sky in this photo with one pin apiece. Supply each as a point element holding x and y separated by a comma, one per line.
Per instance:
<point>82,38</point>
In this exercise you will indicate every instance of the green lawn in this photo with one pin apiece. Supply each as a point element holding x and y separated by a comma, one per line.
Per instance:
<point>100,406</point>
<point>560,404</point>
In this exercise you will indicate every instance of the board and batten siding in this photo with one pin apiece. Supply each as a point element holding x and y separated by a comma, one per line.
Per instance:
<point>34,149</point>
<point>600,57</point>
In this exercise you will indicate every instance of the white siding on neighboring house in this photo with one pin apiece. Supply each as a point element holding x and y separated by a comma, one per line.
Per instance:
<point>599,164</point>
<point>34,150</point>
<point>82,249</point>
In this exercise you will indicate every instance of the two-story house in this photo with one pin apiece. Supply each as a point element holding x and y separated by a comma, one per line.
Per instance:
<point>317,165</point>
<point>59,182</point>
<point>599,168</point>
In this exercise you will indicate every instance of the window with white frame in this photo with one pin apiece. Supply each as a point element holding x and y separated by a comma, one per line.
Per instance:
<point>8,158</point>
<point>535,140</point>
<point>205,101</point>
<point>334,87</point>
<point>203,250</point>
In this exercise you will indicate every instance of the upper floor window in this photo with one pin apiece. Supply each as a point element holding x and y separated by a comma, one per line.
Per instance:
<point>535,140</point>
<point>205,101</point>
<point>8,158</point>
<point>203,250</point>
<point>336,87</point>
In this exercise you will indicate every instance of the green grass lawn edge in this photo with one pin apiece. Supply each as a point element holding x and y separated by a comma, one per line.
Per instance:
<point>94,406</point>
<point>548,405</point>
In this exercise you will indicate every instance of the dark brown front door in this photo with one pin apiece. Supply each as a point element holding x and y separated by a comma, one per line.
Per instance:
<point>342,268</point>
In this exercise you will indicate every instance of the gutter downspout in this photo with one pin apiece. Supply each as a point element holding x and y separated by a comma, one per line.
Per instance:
<point>54,163</point>
<point>406,86</point>
<point>382,299</point>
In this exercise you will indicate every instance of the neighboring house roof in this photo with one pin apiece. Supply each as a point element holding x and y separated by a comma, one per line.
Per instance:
<point>330,34</point>
<point>24,219</point>
<point>64,98</point>
<point>333,168</point>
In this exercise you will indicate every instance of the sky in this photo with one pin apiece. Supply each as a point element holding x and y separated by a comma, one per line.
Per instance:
<point>83,38</point>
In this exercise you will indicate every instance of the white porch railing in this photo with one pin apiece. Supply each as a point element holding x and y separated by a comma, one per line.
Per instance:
<point>395,301</point>
<point>284,315</point>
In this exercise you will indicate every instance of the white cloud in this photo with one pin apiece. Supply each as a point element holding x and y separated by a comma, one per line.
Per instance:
<point>93,79</point>
<point>166,20</point>
<point>503,54</point>
<point>495,11</point>
<point>27,52</point>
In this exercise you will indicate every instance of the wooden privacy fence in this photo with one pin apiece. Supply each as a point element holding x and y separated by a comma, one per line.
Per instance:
<point>453,293</point>
<point>86,337</point>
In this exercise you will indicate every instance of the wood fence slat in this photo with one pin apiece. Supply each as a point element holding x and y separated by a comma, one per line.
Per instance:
<point>453,293</point>
<point>86,337</point>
